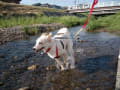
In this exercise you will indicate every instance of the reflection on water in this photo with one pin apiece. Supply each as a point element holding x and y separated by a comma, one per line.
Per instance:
<point>96,64</point>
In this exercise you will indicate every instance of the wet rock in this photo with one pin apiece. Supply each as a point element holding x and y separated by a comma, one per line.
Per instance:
<point>82,41</point>
<point>33,67</point>
<point>11,66</point>
<point>88,89</point>
<point>2,56</point>
<point>15,57</point>
<point>1,83</point>
<point>51,68</point>
<point>5,75</point>
<point>24,88</point>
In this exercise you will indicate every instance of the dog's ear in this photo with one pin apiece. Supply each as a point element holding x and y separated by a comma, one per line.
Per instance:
<point>44,34</point>
<point>49,36</point>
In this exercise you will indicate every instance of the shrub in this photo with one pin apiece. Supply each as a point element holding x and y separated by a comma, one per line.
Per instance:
<point>111,23</point>
<point>30,31</point>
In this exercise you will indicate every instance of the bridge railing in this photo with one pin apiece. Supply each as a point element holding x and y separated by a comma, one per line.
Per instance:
<point>104,4</point>
<point>80,6</point>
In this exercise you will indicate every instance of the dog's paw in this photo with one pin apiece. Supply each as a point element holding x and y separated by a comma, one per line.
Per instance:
<point>72,67</point>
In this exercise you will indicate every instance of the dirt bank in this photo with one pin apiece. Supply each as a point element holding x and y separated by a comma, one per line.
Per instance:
<point>16,33</point>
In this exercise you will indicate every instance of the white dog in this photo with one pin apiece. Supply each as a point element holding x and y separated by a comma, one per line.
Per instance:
<point>60,45</point>
<point>119,55</point>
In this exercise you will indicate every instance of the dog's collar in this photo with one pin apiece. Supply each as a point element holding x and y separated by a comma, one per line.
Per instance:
<point>48,50</point>
<point>56,51</point>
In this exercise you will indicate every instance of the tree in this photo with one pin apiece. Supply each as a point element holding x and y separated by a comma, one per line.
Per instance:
<point>11,1</point>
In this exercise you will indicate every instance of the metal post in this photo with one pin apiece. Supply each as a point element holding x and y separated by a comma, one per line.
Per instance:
<point>103,4</point>
<point>112,3</point>
<point>119,3</point>
<point>75,2</point>
<point>118,74</point>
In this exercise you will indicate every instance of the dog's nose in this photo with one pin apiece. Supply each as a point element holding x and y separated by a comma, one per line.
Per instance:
<point>34,49</point>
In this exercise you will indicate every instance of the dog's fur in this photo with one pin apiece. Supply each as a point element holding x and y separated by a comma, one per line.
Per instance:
<point>65,51</point>
<point>119,55</point>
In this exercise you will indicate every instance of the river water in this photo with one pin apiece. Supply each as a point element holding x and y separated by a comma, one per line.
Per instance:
<point>96,64</point>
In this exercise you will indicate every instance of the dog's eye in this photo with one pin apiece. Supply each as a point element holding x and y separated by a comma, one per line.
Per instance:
<point>40,43</point>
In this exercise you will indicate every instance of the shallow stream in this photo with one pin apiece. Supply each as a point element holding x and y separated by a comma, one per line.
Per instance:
<point>96,64</point>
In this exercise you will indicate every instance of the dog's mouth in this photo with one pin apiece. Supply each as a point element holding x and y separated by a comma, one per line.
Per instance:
<point>39,49</point>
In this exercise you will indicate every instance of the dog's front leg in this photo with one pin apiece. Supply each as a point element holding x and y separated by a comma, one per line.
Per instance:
<point>60,64</point>
<point>57,65</point>
<point>72,62</point>
<point>66,62</point>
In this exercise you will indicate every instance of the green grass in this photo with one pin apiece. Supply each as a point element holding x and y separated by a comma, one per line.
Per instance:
<point>21,15</point>
<point>68,21</point>
<point>109,23</point>
<point>30,31</point>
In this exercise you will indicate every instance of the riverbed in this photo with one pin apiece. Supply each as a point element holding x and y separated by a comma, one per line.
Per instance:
<point>96,64</point>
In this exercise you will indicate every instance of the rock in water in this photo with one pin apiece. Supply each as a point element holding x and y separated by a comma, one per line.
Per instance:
<point>24,88</point>
<point>1,83</point>
<point>33,67</point>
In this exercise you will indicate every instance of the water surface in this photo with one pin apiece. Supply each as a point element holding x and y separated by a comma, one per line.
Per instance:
<point>96,64</point>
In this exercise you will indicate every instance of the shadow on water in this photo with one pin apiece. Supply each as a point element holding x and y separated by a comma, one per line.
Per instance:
<point>96,65</point>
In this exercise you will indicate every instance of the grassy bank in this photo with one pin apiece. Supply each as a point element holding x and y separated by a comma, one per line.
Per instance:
<point>65,20</point>
<point>11,9</point>
<point>110,23</point>
<point>20,15</point>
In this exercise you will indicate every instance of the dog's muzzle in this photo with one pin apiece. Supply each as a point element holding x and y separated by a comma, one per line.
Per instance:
<point>37,50</point>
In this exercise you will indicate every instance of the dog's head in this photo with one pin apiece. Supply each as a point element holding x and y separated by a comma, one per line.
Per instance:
<point>43,42</point>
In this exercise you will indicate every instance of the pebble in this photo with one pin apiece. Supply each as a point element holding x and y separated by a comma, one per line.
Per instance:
<point>15,57</point>
<point>88,89</point>
<point>24,88</point>
<point>1,83</point>
<point>11,66</point>
<point>50,68</point>
<point>33,67</point>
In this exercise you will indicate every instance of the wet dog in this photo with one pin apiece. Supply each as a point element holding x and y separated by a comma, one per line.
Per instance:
<point>58,46</point>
